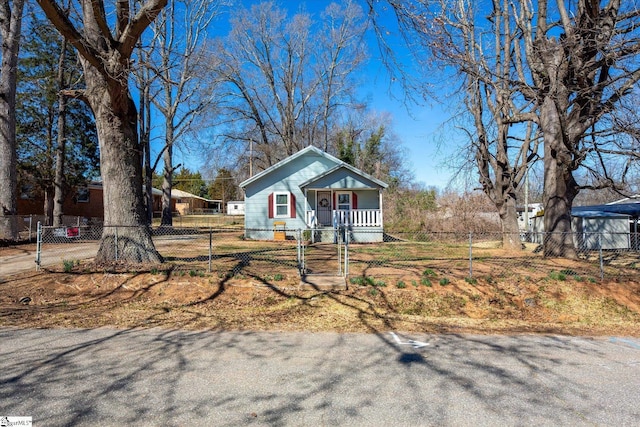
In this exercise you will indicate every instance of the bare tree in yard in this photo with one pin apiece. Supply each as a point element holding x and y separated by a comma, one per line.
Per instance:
<point>10,27</point>
<point>143,79</point>
<point>284,80</point>
<point>574,61</point>
<point>176,61</point>
<point>105,56</point>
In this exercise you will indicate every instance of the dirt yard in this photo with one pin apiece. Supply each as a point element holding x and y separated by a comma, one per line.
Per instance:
<point>421,302</point>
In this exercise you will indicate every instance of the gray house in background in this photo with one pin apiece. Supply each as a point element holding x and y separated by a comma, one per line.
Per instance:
<point>614,225</point>
<point>313,190</point>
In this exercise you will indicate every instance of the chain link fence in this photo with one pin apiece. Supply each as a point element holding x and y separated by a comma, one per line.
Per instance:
<point>473,256</point>
<point>194,250</point>
<point>400,256</point>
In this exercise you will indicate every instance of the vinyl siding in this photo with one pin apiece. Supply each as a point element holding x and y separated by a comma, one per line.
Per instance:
<point>285,179</point>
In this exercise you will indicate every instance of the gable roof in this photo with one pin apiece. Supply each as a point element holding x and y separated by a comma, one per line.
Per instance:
<point>175,193</point>
<point>339,164</point>
<point>347,167</point>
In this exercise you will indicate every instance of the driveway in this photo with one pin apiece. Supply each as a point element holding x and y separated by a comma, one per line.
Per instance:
<point>156,377</point>
<point>24,259</point>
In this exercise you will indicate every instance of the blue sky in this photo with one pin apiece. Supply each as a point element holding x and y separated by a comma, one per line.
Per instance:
<point>418,127</point>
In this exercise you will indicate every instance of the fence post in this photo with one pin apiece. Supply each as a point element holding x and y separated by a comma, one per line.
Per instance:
<point>298,243</point>
<point>210,247</point>
<point>116,242</point>
<point>600,254</point>
<point>339,244</point>
<point>38,245</point>
<point>346,254</point>
<point>470,255</point>
<point>30,226</point>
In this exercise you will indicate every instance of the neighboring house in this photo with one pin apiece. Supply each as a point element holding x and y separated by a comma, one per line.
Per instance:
<point>314,190</point>
<point>187,203</point>
<point>614,225</point>
<point>86,202</point>
<point>526,215</point>
<point>235,208</point>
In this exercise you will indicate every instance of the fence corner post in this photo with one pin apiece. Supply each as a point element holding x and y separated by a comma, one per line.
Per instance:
<point>600,255</point>
<point>210,247</point>
<point>38,245</point>
<point>115,241</point>
<point>470,255</point>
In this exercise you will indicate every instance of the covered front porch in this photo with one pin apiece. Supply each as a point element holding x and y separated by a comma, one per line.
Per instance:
<point>345,198</point>
<point>329,211</point>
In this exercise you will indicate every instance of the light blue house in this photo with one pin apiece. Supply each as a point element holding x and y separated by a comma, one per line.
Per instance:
<point>312,190</point>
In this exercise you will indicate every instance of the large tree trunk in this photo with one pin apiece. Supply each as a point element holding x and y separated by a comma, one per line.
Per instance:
<point>145,122</point>
<point>560,187</point>
<point>167,182</point>
<point>59,180</point>
<point>126,236</point>
<point>48,205</point>
<point>510,230</point>
<point>10,28</point>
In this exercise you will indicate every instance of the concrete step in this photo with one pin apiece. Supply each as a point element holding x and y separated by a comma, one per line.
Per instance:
<point>324,282</point>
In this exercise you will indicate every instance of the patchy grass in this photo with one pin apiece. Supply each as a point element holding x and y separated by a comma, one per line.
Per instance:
<point>246,301</point>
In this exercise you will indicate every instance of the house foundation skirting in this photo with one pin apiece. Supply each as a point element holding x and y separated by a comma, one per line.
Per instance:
<point>350,234</point>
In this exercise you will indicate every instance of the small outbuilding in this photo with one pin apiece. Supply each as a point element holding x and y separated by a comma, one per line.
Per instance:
<point>235,207</point>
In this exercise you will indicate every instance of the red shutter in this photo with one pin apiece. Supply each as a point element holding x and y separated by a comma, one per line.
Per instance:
<point>335,201</point>
<point>270,203</point>
<point>293,205</point>
<point>354,200</point>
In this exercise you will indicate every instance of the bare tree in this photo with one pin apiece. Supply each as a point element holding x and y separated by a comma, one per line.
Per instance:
<point>105,56</point>
<point>10,27</point>
<point>573,62</point>
<point>178,92</point>
<point>282,80</point>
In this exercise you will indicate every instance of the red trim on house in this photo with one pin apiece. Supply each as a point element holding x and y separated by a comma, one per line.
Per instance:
<point>270,203</point>
<point>292,201</point>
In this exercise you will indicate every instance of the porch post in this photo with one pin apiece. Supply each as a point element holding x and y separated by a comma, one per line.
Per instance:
<point>380,205</point>
<point>306,207</point>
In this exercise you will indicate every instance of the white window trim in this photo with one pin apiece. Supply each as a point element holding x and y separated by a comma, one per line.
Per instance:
<point>275,204</point>
<point>338,193</point>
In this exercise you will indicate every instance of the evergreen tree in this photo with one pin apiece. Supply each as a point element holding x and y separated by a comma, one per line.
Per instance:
<point>191,182</point>
<point>224,187</point>
<point>37,110</point>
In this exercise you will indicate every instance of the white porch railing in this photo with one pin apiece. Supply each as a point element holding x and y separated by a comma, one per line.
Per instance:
<point>353,217</point>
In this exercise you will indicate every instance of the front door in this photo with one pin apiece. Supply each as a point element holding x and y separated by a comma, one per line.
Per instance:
<point>324,208</point>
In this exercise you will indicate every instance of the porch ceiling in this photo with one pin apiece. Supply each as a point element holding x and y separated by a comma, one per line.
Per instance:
<point>342,177</point>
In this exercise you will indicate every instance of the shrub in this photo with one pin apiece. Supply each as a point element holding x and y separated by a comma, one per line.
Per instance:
<point>444,281</point>
<point>401,285</point>
<point>558,276</point>
<point>428,272</point>
<point>68,265</point>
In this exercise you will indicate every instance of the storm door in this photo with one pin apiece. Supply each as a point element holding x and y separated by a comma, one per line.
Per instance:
<point>324,208</point>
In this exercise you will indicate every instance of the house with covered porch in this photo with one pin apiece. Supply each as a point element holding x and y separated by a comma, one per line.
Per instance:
<point>312,190</point>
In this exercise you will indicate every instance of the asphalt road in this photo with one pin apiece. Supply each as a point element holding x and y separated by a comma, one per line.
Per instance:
<point>107,377</point>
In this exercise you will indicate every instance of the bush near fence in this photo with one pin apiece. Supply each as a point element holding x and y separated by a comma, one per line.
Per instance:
<point>421,257</point>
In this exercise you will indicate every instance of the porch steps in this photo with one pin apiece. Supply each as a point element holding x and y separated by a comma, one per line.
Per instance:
<point>323,282</point>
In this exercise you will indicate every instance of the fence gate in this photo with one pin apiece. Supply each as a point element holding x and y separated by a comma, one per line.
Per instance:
<point>324,253</point>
